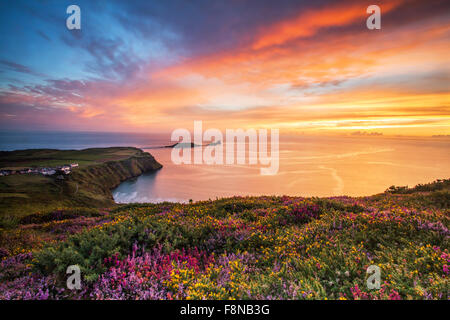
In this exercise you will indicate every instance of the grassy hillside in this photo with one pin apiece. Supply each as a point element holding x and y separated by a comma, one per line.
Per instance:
<point>52,157</point>
<point>100,170</point>
<point>237,248</point>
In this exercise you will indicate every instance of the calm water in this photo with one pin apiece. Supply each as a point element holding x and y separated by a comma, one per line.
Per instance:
<point>309,166</point>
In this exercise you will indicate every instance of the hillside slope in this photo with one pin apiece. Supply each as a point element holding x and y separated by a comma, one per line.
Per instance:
<point>90,184</point>
<point>237,248</point>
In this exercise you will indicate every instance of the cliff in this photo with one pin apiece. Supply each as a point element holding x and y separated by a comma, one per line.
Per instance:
<point>90,184</point>
<point>98,180</point>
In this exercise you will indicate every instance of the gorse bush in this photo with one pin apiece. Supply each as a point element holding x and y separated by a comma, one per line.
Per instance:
<point>256,248</point>
<point>440,184</point>
<point>8,221</point>
<point>61,214</point>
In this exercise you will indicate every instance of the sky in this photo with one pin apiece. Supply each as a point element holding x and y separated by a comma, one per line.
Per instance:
<point>155,66</point>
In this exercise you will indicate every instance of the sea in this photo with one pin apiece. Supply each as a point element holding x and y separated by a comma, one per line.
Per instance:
<point>308,165</point>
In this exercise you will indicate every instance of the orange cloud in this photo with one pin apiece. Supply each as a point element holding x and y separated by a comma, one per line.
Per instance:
<point>308,23</point>
<point>392,80</point>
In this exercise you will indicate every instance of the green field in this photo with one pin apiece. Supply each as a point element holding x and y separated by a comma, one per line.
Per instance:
<point>100,170</point>
<point>51,157</point>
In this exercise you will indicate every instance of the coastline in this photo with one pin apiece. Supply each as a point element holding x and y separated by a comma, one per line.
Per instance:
<point>90,184</point>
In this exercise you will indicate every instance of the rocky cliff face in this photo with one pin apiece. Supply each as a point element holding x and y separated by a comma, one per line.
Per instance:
<point>89,185</point>
<point>97,181</point>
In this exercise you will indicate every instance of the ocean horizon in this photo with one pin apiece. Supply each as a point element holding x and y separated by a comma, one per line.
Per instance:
<point>309,166</point>
<point>253,151</point>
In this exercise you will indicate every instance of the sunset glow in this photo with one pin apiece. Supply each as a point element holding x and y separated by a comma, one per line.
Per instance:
<point>308,68</point>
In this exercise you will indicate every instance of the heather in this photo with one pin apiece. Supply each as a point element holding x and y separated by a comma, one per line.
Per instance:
<point>236,248</point>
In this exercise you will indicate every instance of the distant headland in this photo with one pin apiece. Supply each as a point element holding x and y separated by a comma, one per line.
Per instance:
<point>49,178</point>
